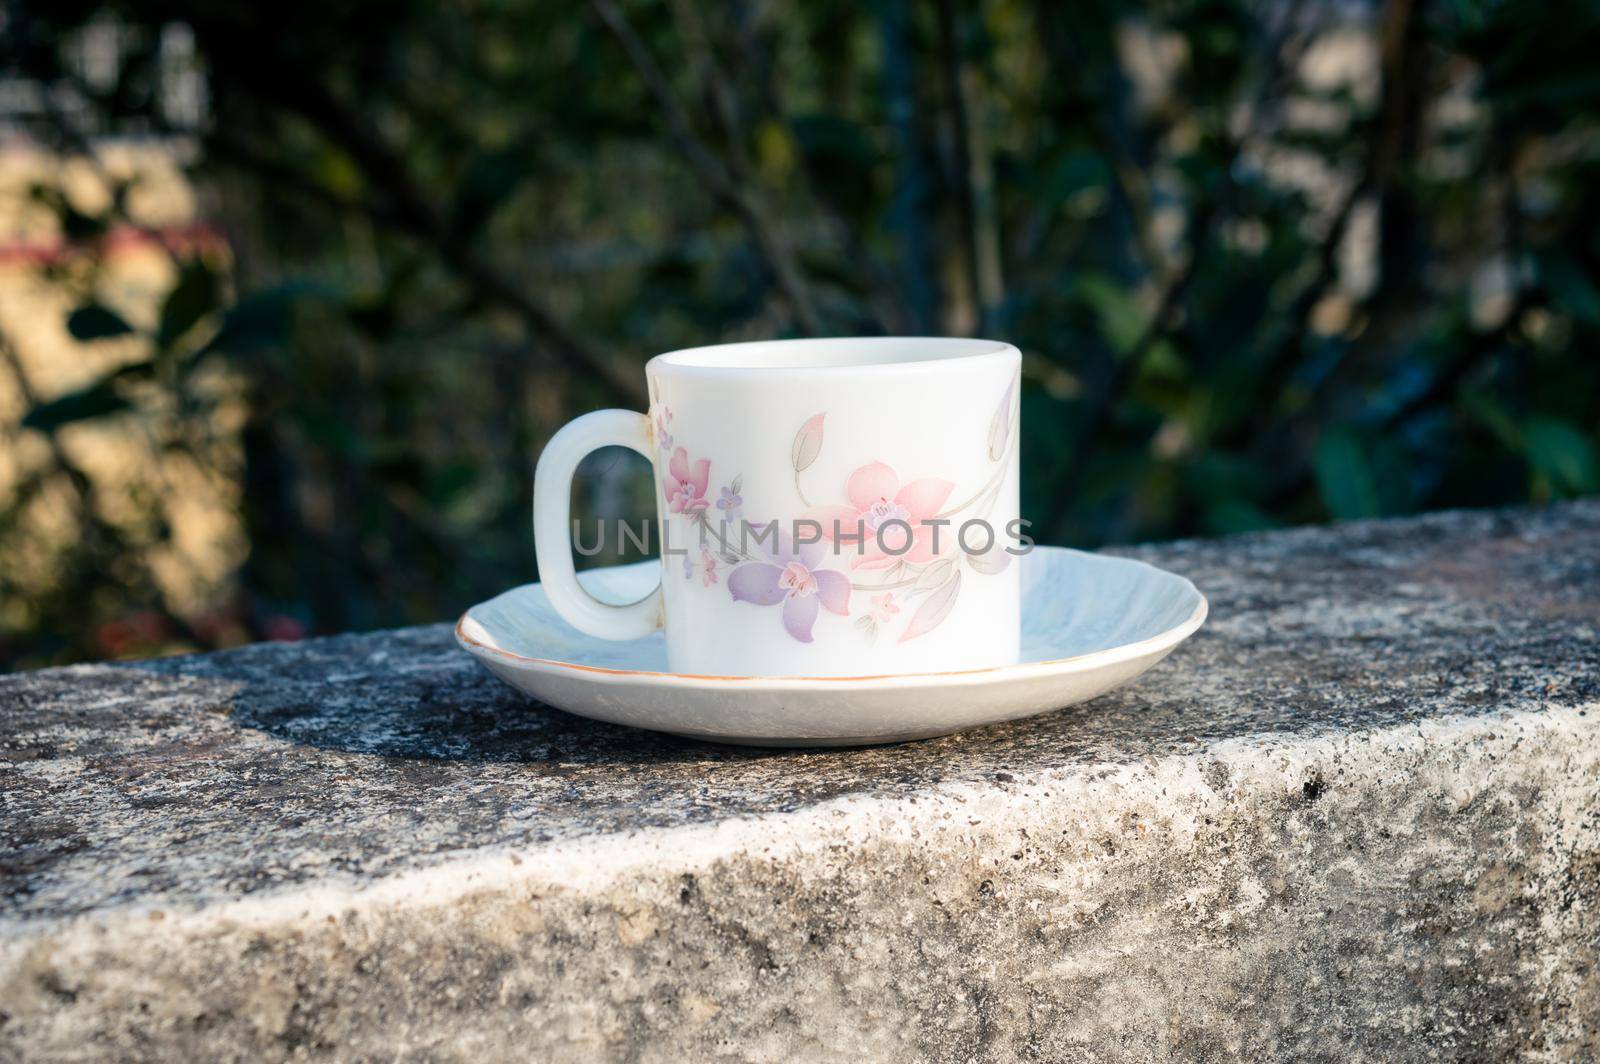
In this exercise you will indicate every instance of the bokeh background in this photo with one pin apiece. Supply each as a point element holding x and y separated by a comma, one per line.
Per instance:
<point>292,293</point>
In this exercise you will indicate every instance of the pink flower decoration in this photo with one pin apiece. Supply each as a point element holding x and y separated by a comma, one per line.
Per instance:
<point>708,568</point>
<point>795,581</point>
<point>884,607</point>
<point>876,498</point>
<point>685,487</point>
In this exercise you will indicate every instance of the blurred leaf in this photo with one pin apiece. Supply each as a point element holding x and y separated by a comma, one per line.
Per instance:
<point>1079,170</point>
<point>76,226</point>
<point>338,173</point>
<point>334,433</point>
<point>79,226</point>
<point>261,320</point>
<point>1570,289</point>
<point>99,399</point>
<point>374,313</point>
<point>196,295</point>
<point>490,179</point>
<point>93,402</point>
<point>1492,415</point>
<point>834,139</point>
<point>1563,455</point>
<point>1360,475</point>
<point>96,322</point>
<point>1344,478</point>
<point>775,151</point>
<point>1163,362</point>
<point>445,484</point>
<point>833,144</point>
<point>1122,320</point>
<point>1237,515</point>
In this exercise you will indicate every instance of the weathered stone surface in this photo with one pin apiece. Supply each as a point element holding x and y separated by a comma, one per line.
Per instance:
<point>1358,816</point>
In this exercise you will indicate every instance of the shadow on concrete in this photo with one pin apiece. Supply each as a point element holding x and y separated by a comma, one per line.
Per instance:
<point>430,703</point>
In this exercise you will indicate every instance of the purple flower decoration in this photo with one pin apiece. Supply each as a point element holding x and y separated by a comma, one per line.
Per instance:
<point>663,418</point>
<point>729,503</point>
<point>795,581</point>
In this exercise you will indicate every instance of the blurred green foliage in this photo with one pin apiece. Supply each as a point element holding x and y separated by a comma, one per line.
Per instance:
<point>1269,264</point>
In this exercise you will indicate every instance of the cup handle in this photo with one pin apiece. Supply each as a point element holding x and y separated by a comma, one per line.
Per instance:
<point>552,516</point>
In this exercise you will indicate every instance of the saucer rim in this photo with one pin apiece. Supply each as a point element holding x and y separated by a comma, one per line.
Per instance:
<point>1158,643</point>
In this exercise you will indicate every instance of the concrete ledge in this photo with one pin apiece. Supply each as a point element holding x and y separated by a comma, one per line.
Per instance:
<point>1358,816</point>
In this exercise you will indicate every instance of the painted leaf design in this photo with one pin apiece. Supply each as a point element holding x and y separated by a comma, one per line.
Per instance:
<point>991,561</point>
<point>935,575</point>
<point>934,609</point>
<point>1000,424</point>
<point>807,443</point>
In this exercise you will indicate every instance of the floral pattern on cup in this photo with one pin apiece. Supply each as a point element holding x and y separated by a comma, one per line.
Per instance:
<point>883,608</point>
<point>685,485</point>
<point>902,560</point>
<point>879,509</point>
<point>794,578</point>
<point>730,502</point>
<point>660,418</point>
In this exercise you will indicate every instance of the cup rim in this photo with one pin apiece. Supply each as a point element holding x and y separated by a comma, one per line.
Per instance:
<point>809,357</point>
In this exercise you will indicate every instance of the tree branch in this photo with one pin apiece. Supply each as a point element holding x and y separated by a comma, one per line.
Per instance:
<point>1394,144</point>
<point>1124,368</point>
<point>1127,179</point>
<point>755,59</point>
<point>692,29</point>
<point>407,208</point>
<point>723,185</point>
<point>916,284</point>
<point>412,212</point>
<point>1287,356</point>
<point>961,166</point>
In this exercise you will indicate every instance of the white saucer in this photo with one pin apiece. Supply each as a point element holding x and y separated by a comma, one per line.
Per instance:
<point>1090,623</point>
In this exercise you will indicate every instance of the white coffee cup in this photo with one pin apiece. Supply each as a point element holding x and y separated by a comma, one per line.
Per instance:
<point>841,507</point>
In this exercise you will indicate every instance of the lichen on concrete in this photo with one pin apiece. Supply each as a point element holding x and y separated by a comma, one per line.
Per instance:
<point>1357,816</point>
